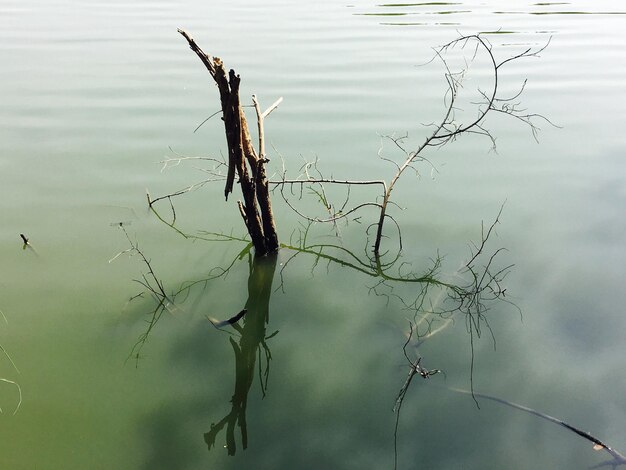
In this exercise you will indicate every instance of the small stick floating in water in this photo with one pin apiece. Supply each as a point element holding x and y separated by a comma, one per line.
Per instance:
<point>27,244</point>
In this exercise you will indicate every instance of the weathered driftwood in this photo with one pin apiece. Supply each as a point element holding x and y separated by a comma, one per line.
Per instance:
<point>256,208</point>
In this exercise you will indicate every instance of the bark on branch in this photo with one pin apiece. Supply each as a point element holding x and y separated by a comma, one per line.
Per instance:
<point>243,159</point>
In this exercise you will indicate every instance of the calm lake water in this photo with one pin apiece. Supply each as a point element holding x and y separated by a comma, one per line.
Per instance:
<point>95,94</point>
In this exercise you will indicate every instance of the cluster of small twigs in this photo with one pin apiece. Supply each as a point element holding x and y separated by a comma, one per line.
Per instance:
<point>447,130</point>
<point>415,368</point>
<point>485,286</point>
<point>153,285</point>
<point>248,326</point>
<point>311,179</point>
<point>169,302</point>
<point>482,276</point>
<point>483,282</point>
<point>472,299</point>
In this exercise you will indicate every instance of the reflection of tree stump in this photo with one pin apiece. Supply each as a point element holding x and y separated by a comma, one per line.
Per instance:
<point>251,344</point>
<point>256,208</point>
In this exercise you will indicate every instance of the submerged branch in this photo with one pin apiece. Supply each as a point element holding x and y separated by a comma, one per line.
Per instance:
<point>415,368</point>
<point>19,391</point>
<point>618,458</point>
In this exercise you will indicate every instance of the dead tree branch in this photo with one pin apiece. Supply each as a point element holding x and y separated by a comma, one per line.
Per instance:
<point>256,208</point>
<point>448,128</point>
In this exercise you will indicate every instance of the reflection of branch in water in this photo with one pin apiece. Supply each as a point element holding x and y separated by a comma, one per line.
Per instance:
<point>231,321</point>
<point>479,287</point>
<point>481,284</point>
<point>252,335</point>
<point>618,458</point>
<point>165,302</point>
<point>471,299</point>
<point>152,284</point>
<point>415,368</point>
<point>484,287</point>
<point>252,343</point>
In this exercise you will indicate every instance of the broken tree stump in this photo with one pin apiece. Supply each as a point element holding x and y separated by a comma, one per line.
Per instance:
<point>256,208</point>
